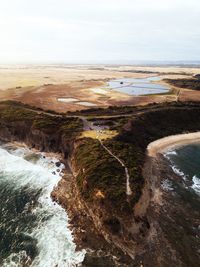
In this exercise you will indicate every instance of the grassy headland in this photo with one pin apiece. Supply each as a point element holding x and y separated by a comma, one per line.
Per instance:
<point>100,178</point>
<point>12,113</point>
<point>99,171</point>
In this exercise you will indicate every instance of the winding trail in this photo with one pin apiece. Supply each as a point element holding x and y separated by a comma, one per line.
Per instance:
<point>93,127</point>
<point>128,188</point>
<point>87,125</point>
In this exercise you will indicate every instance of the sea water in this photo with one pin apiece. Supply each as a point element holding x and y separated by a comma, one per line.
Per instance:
<point>33,229</point>
<point>180,214</point>
<point>185,161</point>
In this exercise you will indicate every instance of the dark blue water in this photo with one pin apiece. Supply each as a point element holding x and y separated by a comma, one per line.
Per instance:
<point>180,213</point>
<point>33,229</point>
<point>185,161</point>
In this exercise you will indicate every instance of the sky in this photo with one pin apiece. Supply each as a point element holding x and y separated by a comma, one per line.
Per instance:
<point>99,31</point>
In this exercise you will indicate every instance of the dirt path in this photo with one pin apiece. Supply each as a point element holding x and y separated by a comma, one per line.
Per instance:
<point>153,148</point>
<point>128,188</point>
<point>91,126</point>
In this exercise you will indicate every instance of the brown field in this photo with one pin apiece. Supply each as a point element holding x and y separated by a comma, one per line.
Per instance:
<point>189,95</point>
<point>41,86</point>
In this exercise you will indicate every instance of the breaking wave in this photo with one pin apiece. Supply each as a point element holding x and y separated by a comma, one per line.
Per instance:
<point>33,228</point>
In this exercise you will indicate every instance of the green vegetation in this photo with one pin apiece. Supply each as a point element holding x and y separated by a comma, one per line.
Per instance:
<point>18,104</point>
<point>193,83</point>
<point>154,72</point>
<point>122,111</point>
<point>133,158</point>
<point>110,111</point>
<point>100,175</point>
<point>153,125</point>
<point>71,127</point>
<point>11,111</point>
<point>46,123</point>
<point>98,171</point>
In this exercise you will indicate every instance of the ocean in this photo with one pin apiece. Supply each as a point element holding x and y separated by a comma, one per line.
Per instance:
<point>33,229</point>
<point>185,161</point>
<point>180,214</point>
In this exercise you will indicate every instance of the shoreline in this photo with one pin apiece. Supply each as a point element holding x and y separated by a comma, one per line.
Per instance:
<point>57,214</point>
<point>170,142</point>
<point>109,233</point>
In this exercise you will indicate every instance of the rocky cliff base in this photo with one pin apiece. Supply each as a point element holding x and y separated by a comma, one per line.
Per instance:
<point>123,231</point>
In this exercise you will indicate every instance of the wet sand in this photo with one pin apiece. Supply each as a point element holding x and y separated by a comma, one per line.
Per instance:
<point>170,142</point>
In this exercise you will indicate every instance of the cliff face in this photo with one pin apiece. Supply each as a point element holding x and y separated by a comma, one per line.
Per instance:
<point>34,138</point>
<point>95,194</point>
<point>130,224</point>
<point>122,230</point>
<point>46,132</point>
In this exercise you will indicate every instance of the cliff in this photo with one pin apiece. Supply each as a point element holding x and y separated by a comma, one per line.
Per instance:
<point>46,132</point>
<point>126,222</point>
<point>95,196</point>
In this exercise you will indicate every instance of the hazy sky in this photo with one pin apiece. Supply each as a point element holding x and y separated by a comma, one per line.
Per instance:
<point>86,31</point>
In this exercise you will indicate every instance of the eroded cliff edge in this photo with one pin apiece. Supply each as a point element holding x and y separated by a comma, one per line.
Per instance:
<point>95,195</point>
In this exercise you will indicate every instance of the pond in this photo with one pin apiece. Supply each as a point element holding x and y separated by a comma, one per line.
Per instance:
<point>138,86</point>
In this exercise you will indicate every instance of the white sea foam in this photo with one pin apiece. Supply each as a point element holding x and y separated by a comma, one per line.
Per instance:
<point>171,152</point>
<point>17,260</point>
<point>54,240</point>
<point>178,172</point>
<point>196,184</point>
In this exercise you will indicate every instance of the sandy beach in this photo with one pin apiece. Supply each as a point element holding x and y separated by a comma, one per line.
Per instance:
<point>167,143</point>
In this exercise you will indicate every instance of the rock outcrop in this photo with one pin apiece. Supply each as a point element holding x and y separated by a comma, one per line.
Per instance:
<point>101,214</point>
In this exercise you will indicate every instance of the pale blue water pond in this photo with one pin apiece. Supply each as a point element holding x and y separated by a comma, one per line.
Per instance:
<point>144,86</point>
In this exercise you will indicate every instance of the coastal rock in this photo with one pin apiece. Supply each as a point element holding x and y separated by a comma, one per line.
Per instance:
<point>58,164</point>
<point>128,233</point>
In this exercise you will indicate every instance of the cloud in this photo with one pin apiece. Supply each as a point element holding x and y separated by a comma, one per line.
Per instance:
<point>100,30</point>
